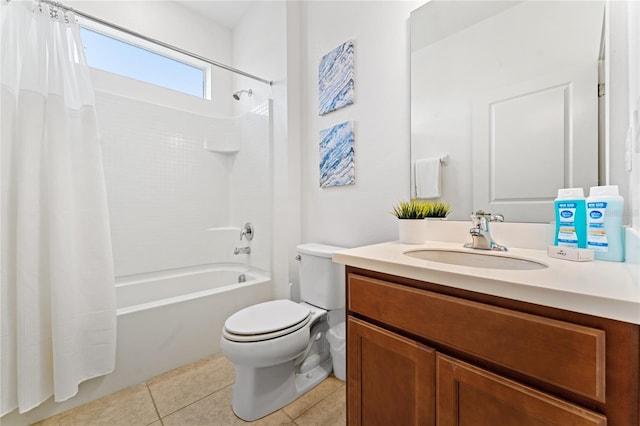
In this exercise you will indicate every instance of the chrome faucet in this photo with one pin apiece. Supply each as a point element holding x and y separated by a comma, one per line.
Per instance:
<point>247,231</point>
<point>480,231</point>
<point>242,250</point>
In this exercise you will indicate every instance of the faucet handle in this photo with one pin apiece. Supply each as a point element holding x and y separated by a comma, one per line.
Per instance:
<point>496,218</point>
<point>476,220</point>
<point>247,231</point>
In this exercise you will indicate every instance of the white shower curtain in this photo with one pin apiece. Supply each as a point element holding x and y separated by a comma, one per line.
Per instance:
<point>57,299</point>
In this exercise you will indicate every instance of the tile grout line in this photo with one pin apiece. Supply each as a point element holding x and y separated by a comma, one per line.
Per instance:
<point>192,402</point>
<point>153,401</point>
<point>287,414</point>
<point>319,401</point>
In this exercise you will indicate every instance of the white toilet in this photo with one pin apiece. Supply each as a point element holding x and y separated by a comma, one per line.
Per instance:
<point>279,349</point>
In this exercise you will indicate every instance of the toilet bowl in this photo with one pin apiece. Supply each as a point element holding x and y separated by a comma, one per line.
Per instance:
<point>247,342</point>
<point>279,348</point>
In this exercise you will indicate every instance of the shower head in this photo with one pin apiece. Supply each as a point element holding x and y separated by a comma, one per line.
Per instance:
<point>236,95</point>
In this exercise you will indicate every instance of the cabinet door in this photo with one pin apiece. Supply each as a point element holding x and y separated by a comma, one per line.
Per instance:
<point>391,379</point>
<point>559,353</point>
<point>470,396</point>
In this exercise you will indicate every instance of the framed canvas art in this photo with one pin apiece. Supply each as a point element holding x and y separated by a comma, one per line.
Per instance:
<point>337,166</point>
<point>335,79</point>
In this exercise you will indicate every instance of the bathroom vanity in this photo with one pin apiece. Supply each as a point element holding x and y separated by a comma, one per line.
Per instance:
<point>434,343</point>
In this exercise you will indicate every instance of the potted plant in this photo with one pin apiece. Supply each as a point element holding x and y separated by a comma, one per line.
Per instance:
<point>412,225</point>
<point>437,209</point>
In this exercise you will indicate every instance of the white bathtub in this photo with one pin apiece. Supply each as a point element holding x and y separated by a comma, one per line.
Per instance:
<point>148,291</point>
<point>166,320</point>
<point>169,319</point>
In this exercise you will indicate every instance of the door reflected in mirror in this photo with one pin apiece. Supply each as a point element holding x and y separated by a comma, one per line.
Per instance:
<point>508,91</point>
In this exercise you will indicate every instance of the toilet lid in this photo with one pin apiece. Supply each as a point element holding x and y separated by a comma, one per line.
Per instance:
<point>268,317</point>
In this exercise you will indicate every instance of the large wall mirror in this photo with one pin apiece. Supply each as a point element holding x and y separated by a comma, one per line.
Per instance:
<point>507,92</point>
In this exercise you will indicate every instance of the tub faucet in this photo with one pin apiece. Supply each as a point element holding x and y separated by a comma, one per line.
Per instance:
<point>480,232</point>
<point>242,250</point>
<point>247,231</point>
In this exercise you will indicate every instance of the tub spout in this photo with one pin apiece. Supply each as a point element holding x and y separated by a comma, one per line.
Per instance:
<point>242,250</point>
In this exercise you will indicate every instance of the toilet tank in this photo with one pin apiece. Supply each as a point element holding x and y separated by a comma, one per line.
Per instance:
<point>321,280</point>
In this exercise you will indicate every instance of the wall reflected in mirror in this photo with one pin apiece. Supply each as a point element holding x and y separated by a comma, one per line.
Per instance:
<point>509,92</point>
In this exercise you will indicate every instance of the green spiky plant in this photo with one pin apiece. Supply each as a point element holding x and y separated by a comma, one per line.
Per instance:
<point>439,209</point>
<point>413,209</point>
<point>420,209</point>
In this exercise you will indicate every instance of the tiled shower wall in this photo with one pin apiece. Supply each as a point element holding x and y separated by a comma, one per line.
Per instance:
<point>250,183</point>
<point>165,191</point>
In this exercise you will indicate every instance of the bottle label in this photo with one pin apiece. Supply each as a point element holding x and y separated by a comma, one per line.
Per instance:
<point>567,236</point>
<point>596,234</point>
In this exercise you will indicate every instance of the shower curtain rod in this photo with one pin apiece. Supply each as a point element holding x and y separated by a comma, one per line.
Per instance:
<point>152,40</point>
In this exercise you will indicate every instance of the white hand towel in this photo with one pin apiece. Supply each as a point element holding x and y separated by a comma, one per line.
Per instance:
<point>427,177</point>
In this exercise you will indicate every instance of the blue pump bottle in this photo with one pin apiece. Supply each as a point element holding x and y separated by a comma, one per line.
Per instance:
<point>571,220</point>
<point>605,234</point>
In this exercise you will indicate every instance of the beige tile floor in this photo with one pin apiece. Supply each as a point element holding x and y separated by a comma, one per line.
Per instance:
<point>200,394</point>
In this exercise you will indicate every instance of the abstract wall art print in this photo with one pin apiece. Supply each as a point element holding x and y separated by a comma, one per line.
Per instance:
<point>337,166</point>
<point>335,79</point>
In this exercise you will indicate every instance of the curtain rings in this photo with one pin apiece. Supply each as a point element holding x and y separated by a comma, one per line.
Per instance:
<point>57,11</point>
<point>61,11</point>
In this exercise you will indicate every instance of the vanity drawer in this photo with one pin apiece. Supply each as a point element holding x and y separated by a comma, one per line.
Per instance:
<point>566,355</point>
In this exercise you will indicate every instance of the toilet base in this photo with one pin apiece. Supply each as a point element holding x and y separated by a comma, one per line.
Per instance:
<point>261,391</point>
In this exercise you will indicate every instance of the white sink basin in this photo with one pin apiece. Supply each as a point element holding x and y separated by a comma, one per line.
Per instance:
<point>490,260</point>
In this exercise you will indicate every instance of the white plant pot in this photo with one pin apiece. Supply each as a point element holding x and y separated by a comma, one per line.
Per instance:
<point>412,231</point>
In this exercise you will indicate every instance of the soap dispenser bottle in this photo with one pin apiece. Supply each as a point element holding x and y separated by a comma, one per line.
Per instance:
<point>571,221</point>
<point>605,234</point>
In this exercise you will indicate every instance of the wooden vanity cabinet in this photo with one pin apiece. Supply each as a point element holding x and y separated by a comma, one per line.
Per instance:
<point>471,396</point>
<point>391,378</point>
<point>425,354</point>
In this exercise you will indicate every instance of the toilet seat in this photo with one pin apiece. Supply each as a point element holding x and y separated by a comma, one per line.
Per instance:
<point>266,321</point>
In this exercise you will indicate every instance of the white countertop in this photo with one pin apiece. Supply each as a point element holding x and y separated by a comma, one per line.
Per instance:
<point>605,289</point>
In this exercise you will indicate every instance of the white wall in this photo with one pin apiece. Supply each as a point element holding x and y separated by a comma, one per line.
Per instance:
<point>634,107</point>
<point>164,189</point>
<point>357,214</point>
<point>618,98</point>
<point>283,41</point>
<point>250,195</point>
<point>623,97</point>
<point>260,48</point>
<point>633,99</point>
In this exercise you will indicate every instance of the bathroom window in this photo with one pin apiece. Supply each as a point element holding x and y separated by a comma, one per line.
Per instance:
<point>119,53</point>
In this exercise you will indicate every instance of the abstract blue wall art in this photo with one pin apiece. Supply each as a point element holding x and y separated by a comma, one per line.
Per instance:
<point>337,166</point>
<point>335,78</point>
